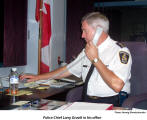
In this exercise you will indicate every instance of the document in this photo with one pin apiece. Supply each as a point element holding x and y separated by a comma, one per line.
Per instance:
<point>86,106</point>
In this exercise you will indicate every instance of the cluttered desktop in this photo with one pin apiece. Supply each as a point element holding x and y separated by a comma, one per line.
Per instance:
<point>35,95</point>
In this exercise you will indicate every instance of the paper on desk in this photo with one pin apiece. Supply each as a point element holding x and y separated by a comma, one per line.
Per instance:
<point>59,84</point>
<point>53,83</point>
<point>42,87</point>
<point>86,106</point>
<point>46,82</point>
<point>20,103</point>
<point>36,83</point>
<point>31,84</point>
<point>5,83</point>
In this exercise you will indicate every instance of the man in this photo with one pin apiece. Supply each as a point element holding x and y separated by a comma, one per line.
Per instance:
<point>111,60</point>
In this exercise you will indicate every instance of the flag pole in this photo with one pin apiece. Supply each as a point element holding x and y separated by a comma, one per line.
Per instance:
<point>40,36</point>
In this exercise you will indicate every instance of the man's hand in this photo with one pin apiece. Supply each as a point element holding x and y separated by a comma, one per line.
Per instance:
<point>91,51</point>
<point>29,77</point>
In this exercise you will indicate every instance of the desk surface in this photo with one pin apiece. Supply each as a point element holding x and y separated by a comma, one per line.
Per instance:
<point>6,100</point>
<point>44,104</point>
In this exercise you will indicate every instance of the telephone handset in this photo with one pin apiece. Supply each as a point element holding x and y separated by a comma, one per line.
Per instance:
<point>97,35</point>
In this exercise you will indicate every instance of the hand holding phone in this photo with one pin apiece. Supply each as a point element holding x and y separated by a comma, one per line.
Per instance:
<point>91,51</point>
<point>97,35</point>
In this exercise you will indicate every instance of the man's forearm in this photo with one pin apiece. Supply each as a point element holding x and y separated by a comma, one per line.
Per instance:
<point>56,74</point>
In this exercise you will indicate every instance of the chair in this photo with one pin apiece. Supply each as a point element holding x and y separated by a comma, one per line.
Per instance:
<point>138,95</point>
<point>74,94</point>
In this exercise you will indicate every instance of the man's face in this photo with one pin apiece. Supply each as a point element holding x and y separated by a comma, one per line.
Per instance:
<point>87,32</point>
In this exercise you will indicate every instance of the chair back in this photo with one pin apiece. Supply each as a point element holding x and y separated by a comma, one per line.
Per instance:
<point>139,67</point>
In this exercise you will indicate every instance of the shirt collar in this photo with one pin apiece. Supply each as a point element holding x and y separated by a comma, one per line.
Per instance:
<point>104,44</point>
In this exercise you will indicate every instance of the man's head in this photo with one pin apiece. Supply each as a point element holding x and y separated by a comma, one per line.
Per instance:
<point>95,19</point>
<point>90,22</point>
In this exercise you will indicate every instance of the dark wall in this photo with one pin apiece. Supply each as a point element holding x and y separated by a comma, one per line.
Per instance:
<point>1,29</point>
<point>76,9</point>
<point>15,32</point>
<point>114,17</point>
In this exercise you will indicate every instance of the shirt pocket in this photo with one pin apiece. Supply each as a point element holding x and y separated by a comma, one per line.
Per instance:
<point>85,69</point>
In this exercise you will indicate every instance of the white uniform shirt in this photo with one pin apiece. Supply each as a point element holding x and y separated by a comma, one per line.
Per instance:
<point>109,53</point>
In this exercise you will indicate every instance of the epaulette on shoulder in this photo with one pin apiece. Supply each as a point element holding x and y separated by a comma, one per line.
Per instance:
<point>120,44</point>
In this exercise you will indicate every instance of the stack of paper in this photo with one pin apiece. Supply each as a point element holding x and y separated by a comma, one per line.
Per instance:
<point>53,83</point>
<point>86,106</point>
<point>59,84</point>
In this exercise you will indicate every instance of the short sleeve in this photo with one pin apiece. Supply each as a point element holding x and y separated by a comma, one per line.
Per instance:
<point>122,63</point>
<point>75,67</point>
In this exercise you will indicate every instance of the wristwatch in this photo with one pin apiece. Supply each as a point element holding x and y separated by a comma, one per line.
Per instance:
<point>95,60</point>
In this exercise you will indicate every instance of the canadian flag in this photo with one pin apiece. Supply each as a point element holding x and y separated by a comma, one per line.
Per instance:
<point>46,33</point>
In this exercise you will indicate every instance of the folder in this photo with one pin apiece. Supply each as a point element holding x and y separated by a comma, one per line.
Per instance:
<point>86,106</point>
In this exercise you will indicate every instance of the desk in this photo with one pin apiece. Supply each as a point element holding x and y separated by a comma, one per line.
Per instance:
<point>5,103</point>
<point>6,100</point>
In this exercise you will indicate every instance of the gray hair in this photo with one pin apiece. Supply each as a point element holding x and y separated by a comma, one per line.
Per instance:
<point>97,19</point>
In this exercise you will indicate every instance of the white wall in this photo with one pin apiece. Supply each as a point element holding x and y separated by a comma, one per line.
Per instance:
<point>32,42</point>
<point>58,42</point>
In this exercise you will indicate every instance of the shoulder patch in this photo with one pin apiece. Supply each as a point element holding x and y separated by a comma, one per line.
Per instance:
<point>120,44</point>
<point>124,57</point>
